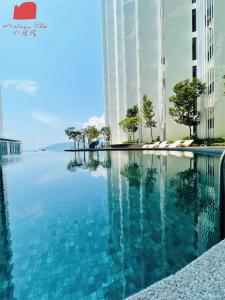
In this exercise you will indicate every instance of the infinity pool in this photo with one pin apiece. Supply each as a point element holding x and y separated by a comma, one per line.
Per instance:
<point>102,226</point>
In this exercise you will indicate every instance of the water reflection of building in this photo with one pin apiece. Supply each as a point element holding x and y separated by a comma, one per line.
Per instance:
<point>163,213</point>
<point>208,230</point>
<point>6,284</point>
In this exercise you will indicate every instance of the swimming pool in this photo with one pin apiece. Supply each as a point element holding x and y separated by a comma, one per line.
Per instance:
<point>103,226</point>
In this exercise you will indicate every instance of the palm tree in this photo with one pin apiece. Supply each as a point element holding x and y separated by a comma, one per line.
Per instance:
<point>106,132</point>
<point>78,137</point>
<point>83,136</point>
<point>72,134</point>
<point>91,132</point>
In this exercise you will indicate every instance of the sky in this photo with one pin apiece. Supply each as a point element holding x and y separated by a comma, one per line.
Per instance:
<point>54,80</point>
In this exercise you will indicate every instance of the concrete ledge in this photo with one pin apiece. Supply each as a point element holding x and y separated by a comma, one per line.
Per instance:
<point>4,139</point>
<point>204,278</point>
<point>137,145</point>
<point>200,150</point>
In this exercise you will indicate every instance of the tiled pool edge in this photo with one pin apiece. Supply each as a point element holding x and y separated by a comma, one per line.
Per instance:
<point>204,278</point>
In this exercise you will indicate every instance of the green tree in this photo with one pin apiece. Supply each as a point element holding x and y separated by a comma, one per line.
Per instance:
<point>130,125</point>
<point>86,134</point>
<point>132,111</point>
<point>83,136</point>
<point>78,135</point>
<point>184,101</point>
<point>91,132</point>
<point>106,132</point>
<point>71,132</point>
<point>148,114</point>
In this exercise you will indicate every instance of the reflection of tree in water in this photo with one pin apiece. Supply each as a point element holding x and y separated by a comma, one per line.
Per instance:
<point>150,179</point>
<point>75,163</point>
<point>137,175</point>
<point>187,191</point>
<point>107,163</point>
<point>187,194</point>
<point>133,174</point>
<point>92,163</point>
<point>195,194</point>
<point>132,211</point>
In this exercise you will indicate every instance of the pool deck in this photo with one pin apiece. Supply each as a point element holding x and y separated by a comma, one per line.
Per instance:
<point>204,278</point>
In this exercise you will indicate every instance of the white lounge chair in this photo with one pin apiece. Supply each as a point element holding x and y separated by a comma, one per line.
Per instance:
<point>164,144</point>
<point>155,145</point>
<point>175,144</point>
<point>187,143</point>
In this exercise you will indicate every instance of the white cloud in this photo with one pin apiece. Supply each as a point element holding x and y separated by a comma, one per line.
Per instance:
<point>27,86</point>
<point>99,122</point>
<point>47,119</point>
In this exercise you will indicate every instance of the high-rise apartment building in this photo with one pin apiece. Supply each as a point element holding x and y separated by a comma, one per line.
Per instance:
<point>150,45</point>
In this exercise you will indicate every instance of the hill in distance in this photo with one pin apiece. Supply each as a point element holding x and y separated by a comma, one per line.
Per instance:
<point>59,147</point>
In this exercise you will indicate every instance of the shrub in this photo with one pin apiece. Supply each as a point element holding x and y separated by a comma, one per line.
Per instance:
<point>210,141</point>
<point>131,142</point>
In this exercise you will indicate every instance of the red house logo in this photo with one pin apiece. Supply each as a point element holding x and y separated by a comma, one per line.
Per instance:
<point>25,11</point>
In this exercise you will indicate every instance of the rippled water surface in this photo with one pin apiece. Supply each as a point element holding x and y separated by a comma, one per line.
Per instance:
<point>102,226</point>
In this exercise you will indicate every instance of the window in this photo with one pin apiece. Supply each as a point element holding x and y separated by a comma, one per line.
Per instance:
<point>193,20</point>
<point>210,118</point>
<point>193,1</point>
<point>14,148</point>
<point>211,123</point>
<point>194,71</point>
<point>3,148</point>
<point>194,48</point>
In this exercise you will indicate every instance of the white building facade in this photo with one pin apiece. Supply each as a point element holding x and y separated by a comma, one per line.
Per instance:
<point>150,45</point>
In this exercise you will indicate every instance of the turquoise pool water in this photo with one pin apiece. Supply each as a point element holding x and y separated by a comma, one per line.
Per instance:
<point>102,226</point>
